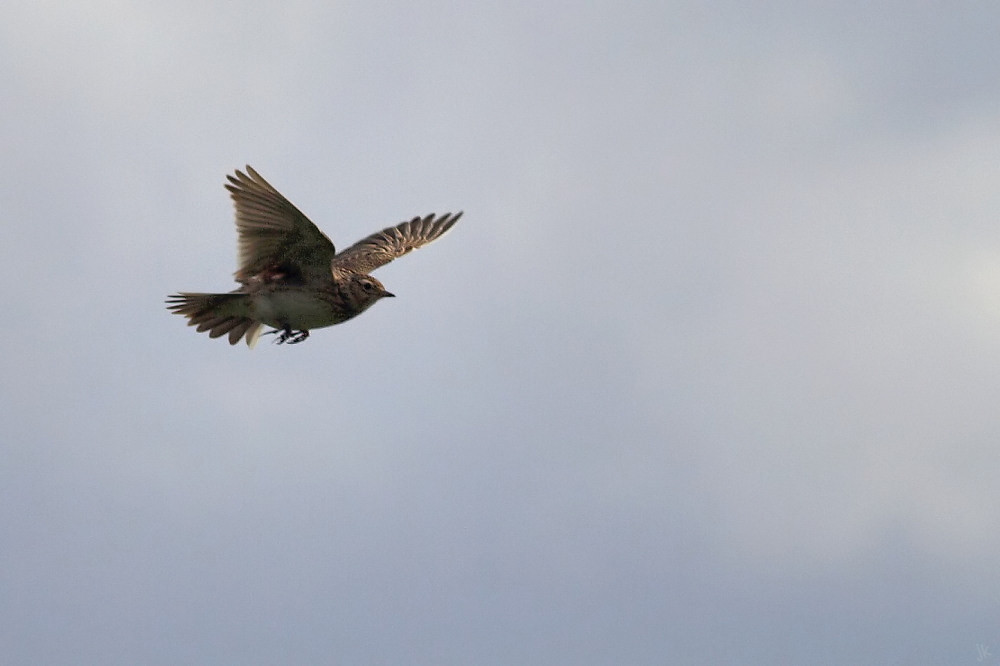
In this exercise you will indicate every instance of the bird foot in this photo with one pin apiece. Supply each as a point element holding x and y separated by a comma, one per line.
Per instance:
<point>288,335</point>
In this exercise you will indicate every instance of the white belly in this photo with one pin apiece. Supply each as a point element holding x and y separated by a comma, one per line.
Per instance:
<point>299,309</point>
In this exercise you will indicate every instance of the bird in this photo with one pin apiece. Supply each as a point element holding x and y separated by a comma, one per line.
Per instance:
<point>290,275</point>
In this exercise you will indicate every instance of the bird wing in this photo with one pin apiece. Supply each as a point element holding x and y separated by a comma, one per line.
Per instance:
<point>275,239</point>
<point>392,242</point>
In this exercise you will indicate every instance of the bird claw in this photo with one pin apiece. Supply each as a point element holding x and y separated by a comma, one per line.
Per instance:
<point>288,335</point>
<point>293,337</point>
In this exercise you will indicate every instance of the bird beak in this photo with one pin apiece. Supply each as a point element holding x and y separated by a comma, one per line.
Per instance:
<point>386,294</point>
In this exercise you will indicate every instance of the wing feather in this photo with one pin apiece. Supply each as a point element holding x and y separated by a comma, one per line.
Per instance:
<point>275,238</point>
<point>393,242</point>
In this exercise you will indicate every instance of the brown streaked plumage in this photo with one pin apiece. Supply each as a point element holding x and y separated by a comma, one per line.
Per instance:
<point>291,277</point>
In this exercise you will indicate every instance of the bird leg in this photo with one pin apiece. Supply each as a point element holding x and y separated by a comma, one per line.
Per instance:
<point>288,335</point>
<point>298,337</point>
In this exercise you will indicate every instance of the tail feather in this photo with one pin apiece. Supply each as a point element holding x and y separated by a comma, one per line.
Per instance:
<point>210,325</point>
<point>218,314</point>
<point>225,326</point>
<point>253,334</point>
<point>247,327</point>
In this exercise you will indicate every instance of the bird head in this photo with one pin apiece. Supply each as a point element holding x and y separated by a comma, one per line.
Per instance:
<point>365,290</point>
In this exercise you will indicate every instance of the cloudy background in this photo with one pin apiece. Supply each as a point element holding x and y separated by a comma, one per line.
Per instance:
<point>709,372</point>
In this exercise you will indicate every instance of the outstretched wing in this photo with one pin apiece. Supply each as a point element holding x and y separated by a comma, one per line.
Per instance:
<point>275,239</point>
<point>380,248</point>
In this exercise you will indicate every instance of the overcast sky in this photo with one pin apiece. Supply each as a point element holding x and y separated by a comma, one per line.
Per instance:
<point>709,373</point>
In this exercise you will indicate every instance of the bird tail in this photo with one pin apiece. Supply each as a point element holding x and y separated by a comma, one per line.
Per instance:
<point>218,314</point>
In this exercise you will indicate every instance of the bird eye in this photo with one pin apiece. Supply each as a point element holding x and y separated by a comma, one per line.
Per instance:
<point>369,286</point>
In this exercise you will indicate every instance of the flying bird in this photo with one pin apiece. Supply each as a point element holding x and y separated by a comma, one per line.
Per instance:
<point>291,277</point>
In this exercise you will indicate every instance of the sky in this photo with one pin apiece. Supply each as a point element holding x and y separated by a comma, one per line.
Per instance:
<point>707,373</point>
